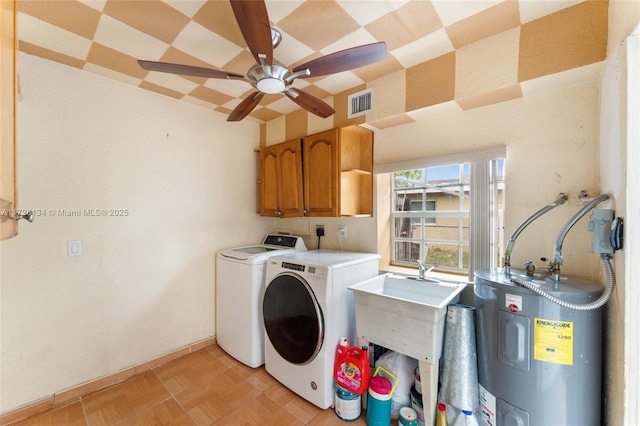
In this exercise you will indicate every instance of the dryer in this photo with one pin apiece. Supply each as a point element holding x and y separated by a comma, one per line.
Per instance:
<point>306,310</point>
<point>239,288</point>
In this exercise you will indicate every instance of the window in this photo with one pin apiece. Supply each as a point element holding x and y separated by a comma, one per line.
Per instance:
<point>434,209</point>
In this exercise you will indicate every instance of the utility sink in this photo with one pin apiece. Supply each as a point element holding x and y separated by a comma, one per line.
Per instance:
<point>404,314</point>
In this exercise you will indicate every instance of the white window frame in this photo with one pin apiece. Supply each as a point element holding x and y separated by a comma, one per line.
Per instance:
<point>485,240</point>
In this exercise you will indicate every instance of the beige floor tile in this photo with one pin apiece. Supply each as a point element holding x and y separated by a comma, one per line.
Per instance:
<point>67,415</point>
<point>258,377</point>
<point>188,371</point>
<point>165,413</point>
<point>260,411</point>
<point>302,409</point>
<point>204,388</point>
<point>124,400</point>
<point>216,397</point>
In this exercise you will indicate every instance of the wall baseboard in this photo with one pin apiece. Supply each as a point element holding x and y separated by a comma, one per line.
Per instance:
<point>75,393</point>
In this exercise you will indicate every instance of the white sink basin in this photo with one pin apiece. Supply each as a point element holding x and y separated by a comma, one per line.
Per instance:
<point>403,314</point>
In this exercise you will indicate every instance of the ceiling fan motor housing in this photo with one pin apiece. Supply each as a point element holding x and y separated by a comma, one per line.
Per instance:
<point>269,78</point>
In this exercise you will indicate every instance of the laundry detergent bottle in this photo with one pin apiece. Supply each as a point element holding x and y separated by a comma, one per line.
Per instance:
<point>351,369</point>
<point>351,375</point>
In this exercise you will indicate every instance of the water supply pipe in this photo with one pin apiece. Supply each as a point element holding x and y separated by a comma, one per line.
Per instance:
<point>512,239</point>
<point>557,251</point>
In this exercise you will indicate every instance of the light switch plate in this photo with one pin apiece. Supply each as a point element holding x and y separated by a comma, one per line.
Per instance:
<point>75,248</point>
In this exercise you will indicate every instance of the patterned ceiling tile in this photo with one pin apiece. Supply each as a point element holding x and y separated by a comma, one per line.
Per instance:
<point>390,65</point>
<point>494,20</point>
<point>120,36</point>
<point>106,37</point>
<point>488,64</point>
<point>171,81</point>
<point>110,73</point>
<point>218,17</point>
<point>75,17</point>
<point>489,98</point>
<point>51,55</point>
<point>114,60</point>
<point>232,88</point>
<point>567,39</point>
<point>292,52</point>
<point>356,38</point>
<point>412,21</point>
<point>278,10</point>
<point>157,18</point>
<point>431,82</point>
<point>161,89</point>
<point>365,12</point>
<point>335,83</point>
<point>454,11</point>
<point>531,10</point>
<point>210,95</point>
<point>212,48</point>
<point>318,23</point>
<point>429,47</point>
<point>51,37</point>
<point>94,4</point>
<point>188,8</point>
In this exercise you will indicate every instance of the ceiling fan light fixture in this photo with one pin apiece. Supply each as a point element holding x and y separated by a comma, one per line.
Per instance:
<point>270,85</point>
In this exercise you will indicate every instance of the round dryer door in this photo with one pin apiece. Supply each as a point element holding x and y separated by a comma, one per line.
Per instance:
<point>293,319</point>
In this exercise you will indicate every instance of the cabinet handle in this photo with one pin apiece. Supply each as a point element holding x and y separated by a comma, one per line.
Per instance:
<point>27,215</point>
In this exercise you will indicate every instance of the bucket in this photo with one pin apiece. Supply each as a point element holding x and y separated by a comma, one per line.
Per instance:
<point>379,401</point>
<point>416,404</point>
<point>347,404</point>
<point>407,417</point>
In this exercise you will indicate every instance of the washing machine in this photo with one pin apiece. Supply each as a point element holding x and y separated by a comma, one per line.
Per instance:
<point>240,285</point>
<point>307,309</point>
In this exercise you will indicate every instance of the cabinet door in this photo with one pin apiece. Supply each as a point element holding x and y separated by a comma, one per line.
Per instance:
<point>290,179</point>
<point>269,181</point>
<point>8,226</point>
<point>321,174</point>
<point>281,180</point>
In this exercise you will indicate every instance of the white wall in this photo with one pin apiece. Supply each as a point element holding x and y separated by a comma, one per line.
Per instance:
<point>619,158</point>
<point>144,285</point>
<point>551,140</point>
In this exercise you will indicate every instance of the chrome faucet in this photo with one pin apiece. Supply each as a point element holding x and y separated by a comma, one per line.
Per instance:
<point>422,272</point>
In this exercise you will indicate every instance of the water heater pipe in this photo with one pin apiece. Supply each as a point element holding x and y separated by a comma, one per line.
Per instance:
<point>557,251</point>
<point>596,304</point>
<point>512,239</point>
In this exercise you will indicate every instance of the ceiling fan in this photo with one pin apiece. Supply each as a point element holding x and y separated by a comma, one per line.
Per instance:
<point>270,76</point>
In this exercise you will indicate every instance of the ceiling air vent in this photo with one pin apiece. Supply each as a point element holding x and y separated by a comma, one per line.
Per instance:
<point>360,103</point>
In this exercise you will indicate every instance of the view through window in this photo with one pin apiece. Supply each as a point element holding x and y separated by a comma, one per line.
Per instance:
<point>431,210</point>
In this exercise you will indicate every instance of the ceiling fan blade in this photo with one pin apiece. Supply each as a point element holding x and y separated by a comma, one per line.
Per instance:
<point>245,107</point>
<point>253,21</point>
<point>344,60</point>
<point>187,70</point>
<point>310,103</point>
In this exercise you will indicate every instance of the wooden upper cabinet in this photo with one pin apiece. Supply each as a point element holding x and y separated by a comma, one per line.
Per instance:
<point>281,180</point>
<point>332,170</point>
<point>8,223</point>
<point>321,175</point>
<point>338,179</point>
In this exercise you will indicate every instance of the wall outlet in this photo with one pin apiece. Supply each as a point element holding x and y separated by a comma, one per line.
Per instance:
<point>319,230</point>
<point>342,231</point>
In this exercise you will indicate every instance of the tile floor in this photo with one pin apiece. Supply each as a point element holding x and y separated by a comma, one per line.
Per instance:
<point>207,387</point>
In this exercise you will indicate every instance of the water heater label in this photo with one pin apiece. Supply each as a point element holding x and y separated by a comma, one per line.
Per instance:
<point>487,412</point>
<point>553,341</point>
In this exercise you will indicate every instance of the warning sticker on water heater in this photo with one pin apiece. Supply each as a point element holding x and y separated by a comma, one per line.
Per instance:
<point>553,341</point>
